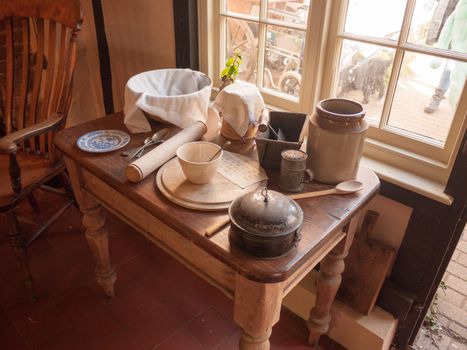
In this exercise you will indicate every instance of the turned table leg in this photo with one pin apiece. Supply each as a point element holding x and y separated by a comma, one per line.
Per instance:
<point>257,309</point>
<point>329,280</point>
<point>96,230</point>
<point>97,237</point>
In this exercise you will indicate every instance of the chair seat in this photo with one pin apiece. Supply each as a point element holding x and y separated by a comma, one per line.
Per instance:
<point>35,170</point>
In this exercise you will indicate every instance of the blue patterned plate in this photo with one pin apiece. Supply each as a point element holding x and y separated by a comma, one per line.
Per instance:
<point>101,141</point>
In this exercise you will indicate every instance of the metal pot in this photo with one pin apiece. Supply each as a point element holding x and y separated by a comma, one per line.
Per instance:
<point>265,224</point>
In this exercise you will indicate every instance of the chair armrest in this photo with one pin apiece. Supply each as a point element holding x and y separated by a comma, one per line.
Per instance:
<point>8,143</point>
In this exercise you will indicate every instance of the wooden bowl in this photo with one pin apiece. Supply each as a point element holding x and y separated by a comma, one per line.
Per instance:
<point>229,133</point>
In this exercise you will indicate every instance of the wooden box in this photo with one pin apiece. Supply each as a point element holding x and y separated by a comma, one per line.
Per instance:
<point>269,148</point>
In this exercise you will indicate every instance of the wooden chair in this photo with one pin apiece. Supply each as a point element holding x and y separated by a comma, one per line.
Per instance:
<point>39,43</point>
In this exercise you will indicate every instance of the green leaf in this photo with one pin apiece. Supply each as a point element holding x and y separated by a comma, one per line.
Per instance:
<point>232,65</point>
<point>225,71</point>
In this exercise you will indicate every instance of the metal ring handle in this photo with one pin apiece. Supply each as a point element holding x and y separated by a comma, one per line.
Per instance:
<point>264,193</point>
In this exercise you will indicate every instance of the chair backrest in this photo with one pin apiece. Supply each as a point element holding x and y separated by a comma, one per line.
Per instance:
<point>39,56</point>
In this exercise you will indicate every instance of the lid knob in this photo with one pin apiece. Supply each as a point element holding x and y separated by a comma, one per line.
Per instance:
<point>264,193</point>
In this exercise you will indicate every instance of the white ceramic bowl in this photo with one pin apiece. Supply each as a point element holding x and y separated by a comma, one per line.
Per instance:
<point>194,160</point>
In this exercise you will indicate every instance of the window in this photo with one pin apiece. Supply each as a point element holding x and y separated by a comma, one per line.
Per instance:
<point>396,57</point>
<point>273,40</point>
<point>401,63</point>
<point>271,36</point>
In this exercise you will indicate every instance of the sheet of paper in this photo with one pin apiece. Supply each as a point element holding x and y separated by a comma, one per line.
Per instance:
<point>241,170</point>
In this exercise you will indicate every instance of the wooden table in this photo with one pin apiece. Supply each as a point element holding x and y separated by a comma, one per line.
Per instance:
<point>257,287</point>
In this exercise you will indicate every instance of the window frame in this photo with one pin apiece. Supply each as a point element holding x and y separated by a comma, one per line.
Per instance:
<point>323,43</point>
<point>212,26</point>
<point>428,159</point>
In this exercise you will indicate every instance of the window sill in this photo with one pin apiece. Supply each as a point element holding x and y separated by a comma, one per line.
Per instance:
<point>402,178</point>
<point>426,187</point>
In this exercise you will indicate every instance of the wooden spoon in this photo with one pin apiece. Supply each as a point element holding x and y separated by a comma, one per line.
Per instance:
<point>344,187</point>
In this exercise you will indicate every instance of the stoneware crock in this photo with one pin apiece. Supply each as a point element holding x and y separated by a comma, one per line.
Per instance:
<point>336,135</point>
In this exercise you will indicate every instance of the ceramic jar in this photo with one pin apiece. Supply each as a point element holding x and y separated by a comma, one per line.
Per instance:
<point>336,135</point>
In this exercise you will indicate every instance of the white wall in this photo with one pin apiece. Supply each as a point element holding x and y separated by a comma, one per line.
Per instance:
<point>140,37</point>
<point>86,100</point>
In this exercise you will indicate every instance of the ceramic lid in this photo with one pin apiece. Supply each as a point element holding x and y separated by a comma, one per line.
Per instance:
<point>266,213</point>
<point>340,110</point>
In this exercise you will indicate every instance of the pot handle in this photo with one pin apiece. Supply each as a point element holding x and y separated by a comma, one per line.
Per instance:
<point>309,173</point>
<point>298,236</point>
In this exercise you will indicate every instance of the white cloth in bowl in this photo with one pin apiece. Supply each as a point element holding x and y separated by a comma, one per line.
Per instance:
<point>240,104</point>
<point>177,96</point>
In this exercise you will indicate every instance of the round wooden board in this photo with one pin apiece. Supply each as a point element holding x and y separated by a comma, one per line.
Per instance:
<point>216,195</point>
<point>189,205</point>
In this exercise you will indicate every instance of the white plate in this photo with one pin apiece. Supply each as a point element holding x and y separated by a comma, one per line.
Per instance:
<point>101,141</point>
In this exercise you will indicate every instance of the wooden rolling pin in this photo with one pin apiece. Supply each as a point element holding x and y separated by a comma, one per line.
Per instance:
<point>213,229</point>
<point>145,165</point>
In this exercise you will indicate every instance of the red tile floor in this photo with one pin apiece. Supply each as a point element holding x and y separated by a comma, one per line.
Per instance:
<point>159,304</point>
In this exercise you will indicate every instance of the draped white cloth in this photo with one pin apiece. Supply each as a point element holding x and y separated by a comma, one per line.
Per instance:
<point>240,104</point>
<point>177,96</point>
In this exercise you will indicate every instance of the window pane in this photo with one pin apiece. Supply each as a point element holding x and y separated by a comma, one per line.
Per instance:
<point>439,25</point>
<point>246,7</point>
<point>427,94</point>
<point>283,60</point>
<point>243,36</point>
<point>380,19</point>
<point>289,11</point>
<point>364,71</point>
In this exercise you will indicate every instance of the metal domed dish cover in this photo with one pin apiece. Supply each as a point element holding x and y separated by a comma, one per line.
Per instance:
<point>265,224</point>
